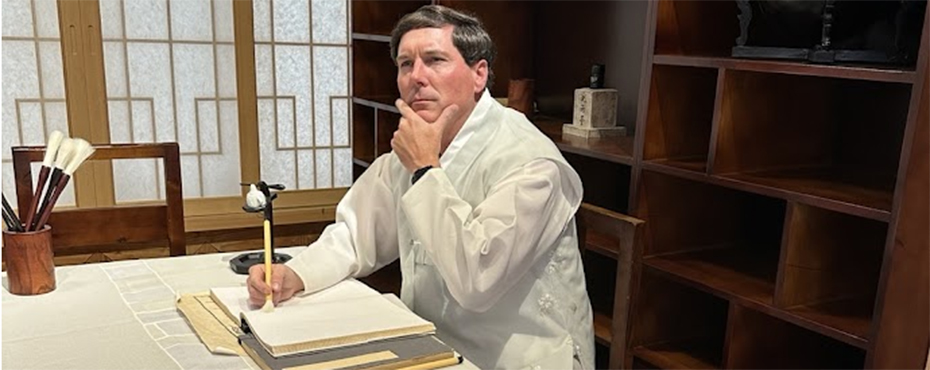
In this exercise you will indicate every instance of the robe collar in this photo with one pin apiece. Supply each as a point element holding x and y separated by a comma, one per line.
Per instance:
<point>472,138</point>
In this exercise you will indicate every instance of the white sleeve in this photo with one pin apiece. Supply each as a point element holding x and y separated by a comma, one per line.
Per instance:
<point>482,252</point>
<point>363,238</point>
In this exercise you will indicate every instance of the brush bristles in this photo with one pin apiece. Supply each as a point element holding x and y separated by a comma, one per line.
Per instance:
<point>82,151</point>
<point>254,198</point>
<point>51,149</point>
<point>64,153</point>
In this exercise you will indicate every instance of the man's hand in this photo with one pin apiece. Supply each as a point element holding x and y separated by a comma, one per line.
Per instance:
<point>416,142</point>
<point>284,284</point>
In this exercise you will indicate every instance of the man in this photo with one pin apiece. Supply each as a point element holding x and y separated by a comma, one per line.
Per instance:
<point>477,204</point>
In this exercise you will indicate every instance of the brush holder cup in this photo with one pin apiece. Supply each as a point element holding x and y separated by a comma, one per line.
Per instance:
<point>29,266</point>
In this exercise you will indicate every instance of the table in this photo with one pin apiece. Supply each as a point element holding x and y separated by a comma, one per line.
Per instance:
<point>120,315</point>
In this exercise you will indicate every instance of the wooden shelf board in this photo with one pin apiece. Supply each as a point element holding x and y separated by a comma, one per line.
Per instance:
<point>848,320</point>
<point>694,164</point>
<point>371,37</point>
<point>744,273</point>
<point>602,329</point>
<point>855,72</point>
<point>382,102</point>
<point>822,188</point>
<point>614,149</point>
<point>691,354</point>
<point>747,277</point>
<point>859,193</point>
<point>362,162</point>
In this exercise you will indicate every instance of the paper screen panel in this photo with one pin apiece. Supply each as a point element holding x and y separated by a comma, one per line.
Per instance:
<point>33,84</point>
<point>170,69</point>
<point>302,81</point>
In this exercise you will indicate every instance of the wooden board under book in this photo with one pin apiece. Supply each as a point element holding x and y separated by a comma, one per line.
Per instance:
<point>345,314</point>
<point>415,352</point>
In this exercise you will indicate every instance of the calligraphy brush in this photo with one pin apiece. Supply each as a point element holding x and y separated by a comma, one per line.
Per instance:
<point>10,224</point>
<point>81,151</point>
<point>17,224</point>
<point>256,201</point>
<point>51,149</point>
<point>65,152</point>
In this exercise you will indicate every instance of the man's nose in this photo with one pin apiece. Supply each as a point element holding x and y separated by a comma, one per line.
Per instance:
<point>418,74</point>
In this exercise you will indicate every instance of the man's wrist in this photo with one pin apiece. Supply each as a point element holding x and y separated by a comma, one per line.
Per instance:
<point>419,172</point>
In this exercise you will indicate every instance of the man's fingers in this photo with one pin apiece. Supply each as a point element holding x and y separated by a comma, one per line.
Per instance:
<point>277,280</point>
<point>256,283</point>
<point>405,109</point>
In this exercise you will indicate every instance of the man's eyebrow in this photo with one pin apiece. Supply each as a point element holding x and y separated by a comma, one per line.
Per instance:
<point>435,52</point>
<point>428,52</point>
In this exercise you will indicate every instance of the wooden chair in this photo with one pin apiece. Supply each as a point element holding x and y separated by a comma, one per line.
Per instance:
<point>116,228</point>
<point>617,236</point>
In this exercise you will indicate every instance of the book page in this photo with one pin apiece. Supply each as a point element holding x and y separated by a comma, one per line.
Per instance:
<point>329,324</point>
<point>235,300</point>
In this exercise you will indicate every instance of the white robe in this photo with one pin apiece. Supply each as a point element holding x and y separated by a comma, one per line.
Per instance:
<point>487,244</point>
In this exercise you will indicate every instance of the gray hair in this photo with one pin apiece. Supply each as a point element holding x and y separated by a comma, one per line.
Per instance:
<point>468,34</point>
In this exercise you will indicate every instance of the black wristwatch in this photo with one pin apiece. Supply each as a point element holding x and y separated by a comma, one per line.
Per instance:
<point>419,173</point>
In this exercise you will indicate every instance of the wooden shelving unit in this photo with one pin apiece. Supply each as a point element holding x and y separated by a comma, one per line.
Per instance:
<point>771,191</point>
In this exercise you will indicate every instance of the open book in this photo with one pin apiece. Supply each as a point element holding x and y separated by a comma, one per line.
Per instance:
<point>345,314</point>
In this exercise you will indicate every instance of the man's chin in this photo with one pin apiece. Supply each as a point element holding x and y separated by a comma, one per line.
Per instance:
<point>427,115</point>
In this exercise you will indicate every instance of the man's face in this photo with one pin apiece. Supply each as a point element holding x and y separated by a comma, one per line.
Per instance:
<point>431,73</point>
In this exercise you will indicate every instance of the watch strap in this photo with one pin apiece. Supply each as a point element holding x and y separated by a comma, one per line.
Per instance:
<point>419,173</point>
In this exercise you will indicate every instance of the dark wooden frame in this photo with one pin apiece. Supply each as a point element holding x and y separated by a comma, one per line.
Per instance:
<point>120,227</point>
<point>619,237</point>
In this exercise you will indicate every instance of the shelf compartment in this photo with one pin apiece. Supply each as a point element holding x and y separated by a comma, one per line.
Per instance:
<point>611,149</point>
<point>385,126</point>
<point>639,363</point>
<point>606,184</point>
<point>732,273</point>
<point>752,183</point>
<point>676,326</point>
<point>371,61</point>
<point>382,102</point>
<point>830,270</point>
<point>760,341</point>
<point>696,27</point>
<point>845,137</point>
<point>694,354</point>
<point>602,329</point>
<point>601,277</point>
<point>357,170</point>
<point>719,240</point>
<point>852,71</point>
<point>363,133</point>
<point>378,17</point>
<point>681,109</point>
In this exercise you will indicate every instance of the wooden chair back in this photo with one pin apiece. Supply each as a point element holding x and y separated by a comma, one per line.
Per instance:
<point>116,228</point>
<point>619,236</point>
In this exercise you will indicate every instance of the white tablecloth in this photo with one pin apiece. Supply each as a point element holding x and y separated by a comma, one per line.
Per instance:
<point>119,315</point>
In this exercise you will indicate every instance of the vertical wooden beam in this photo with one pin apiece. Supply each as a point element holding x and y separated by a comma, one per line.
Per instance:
<point>901,315</point>
<point>85,94</point>
<point>246,92</point>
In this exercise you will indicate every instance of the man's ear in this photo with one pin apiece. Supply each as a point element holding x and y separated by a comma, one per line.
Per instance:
<point>481,75</point>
